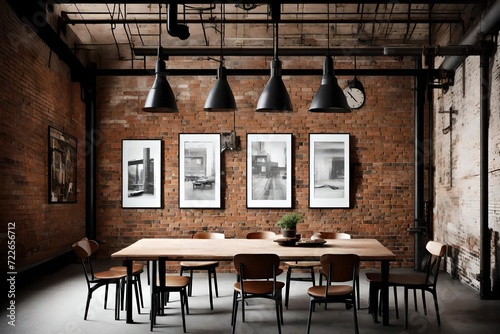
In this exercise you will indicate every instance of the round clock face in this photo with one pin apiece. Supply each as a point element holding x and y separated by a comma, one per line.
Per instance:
<point>355,97</point>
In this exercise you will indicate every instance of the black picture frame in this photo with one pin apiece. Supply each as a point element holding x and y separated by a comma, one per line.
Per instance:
<point>142,173</point>
<point>62,167</point>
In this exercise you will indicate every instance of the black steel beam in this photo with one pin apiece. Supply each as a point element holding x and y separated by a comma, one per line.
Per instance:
<point>193,2</point>
<point>265,72</point>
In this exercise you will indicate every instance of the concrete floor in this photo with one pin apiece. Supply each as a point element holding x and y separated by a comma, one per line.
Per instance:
<point>54,303</point>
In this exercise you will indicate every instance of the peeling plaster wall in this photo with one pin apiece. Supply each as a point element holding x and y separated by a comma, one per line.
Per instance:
<point>456,177</point>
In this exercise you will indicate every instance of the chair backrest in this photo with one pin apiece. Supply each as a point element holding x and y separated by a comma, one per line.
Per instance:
<point>261,235</point>
<point>209,235</point>
<point>84,250</point>
<point>334,235</point>
<point>436,251</point>
<point>256,266</point>
<point>340,267</point>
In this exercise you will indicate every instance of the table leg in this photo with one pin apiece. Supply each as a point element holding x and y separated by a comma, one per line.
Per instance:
<point>385,292</point>
<point>128,301</point>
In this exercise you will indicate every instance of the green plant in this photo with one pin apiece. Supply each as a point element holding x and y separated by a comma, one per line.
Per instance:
<point>289,221</point>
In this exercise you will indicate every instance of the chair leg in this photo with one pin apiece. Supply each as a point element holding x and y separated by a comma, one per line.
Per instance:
<point>215,283</point>
<point>106,297</point>
<point>406,307</point>
<point>358,298</point>
<point>434,295</point>
<point>287,289</point>
<point>89,297</point>
<point>415,299</point>
<point>140,290</point>
<point>311,307</point>
<point>424,302</point>
<point>117,299</point>
<point>235,310</point>
<point>396,301</point>
<point>278,317</point>
<point>210,289</point>
<point>356,329</point>
<point>182,298</point>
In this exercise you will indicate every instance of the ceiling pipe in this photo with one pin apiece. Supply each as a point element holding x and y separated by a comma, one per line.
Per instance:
<point>489,23</point>
<point>173,27</point>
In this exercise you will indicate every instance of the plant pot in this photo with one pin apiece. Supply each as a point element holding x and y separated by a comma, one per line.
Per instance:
<point>289,233</point>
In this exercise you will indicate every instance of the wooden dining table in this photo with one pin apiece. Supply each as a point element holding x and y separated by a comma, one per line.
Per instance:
<point>176,249</point>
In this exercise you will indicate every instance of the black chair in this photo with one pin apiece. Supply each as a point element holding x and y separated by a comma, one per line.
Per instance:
<point>257,279</point>
<point>84,250</point>
<point>339,269</point>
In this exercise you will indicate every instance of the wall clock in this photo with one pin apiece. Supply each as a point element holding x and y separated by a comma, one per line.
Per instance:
<point>355,94</point>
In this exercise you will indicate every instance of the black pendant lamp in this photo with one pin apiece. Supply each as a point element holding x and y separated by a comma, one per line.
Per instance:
<point>221,96</point>
<point>161,98</point>
<point>275,97</point>
<point>329,97</point>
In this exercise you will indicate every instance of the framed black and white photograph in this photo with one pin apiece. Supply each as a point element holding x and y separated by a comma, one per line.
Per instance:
<point>141,173</point>
<point>62,167</point>
<point>199,171</point>
<point>329,171</point>
<point>269,170</point>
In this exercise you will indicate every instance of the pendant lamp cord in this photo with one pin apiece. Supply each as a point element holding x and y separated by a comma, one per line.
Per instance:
<point>328,29</point>
<point>159,31</point>
<point>222,31</point>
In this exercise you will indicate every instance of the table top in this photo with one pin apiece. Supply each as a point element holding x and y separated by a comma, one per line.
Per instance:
<point>225,249</point>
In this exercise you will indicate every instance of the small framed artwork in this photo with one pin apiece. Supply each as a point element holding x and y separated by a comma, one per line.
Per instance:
<point>199,171</point>
<point>329,171</point>
<point>269,170</point>
<point>141,173</point>
<point>62,167</point>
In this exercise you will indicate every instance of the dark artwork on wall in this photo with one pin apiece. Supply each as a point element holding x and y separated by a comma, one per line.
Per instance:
<point>269,170</point>
<point>329,171</point>
<point>62,167</point>
<point>141,173</point>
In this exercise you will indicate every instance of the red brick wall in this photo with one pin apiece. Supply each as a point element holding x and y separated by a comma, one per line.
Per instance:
<point>382,156</point>
<point>35,92</point>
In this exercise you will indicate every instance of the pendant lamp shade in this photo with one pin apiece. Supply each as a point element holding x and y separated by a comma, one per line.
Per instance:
<point>329,97</point>
<point>161,98</point>
<point>221,96</point>
<point>275,97</point>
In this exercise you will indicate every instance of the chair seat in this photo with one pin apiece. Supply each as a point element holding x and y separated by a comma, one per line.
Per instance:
<point>109,274</point>
<point>175,281</point>
<point>318,291</point>
<point>259,287</point>
<point>303,264</point>
<point>137,268</point>
<point>399,279</point>
<point>199,264</point>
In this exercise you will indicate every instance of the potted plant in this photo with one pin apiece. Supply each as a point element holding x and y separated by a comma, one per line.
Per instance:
<point>288,224</point>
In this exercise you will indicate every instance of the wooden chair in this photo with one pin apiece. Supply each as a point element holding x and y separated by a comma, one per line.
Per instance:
<point>257,279</point>
<point>173,283</point>
<point>84,250</point>
<point>340,269</point>
<point>261,235</point>
<point>424,281</point>
<point>209,266</point>
<point>137,270</point>
<point>310,265</point>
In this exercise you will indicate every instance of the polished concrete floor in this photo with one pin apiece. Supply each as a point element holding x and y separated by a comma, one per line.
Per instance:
<point>54,303</point>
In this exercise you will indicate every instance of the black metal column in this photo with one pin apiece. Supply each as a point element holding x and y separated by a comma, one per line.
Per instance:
<point>485,252</point>
<point>90,152</point>
<point>419,226</point>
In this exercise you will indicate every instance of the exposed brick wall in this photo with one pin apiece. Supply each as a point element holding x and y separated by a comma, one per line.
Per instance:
<point>382,155</point>
<point>457,176</point>
<point>35,92</point>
